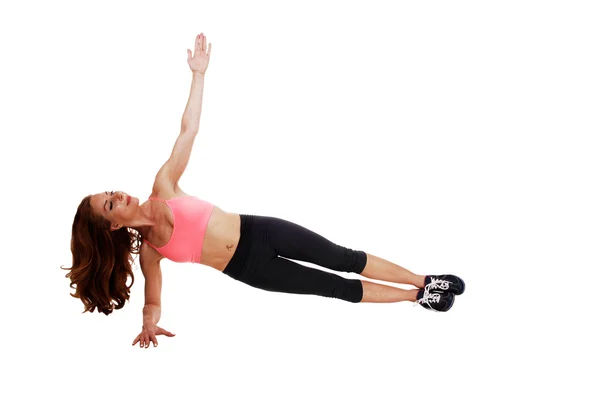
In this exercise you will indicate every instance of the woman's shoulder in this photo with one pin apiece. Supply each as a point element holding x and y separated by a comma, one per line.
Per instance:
<point>167,193</point>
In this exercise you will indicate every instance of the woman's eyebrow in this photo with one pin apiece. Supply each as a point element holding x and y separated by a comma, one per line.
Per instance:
<point>104,207</point>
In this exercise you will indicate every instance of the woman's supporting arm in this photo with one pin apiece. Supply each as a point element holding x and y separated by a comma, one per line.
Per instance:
<point>151,314</point>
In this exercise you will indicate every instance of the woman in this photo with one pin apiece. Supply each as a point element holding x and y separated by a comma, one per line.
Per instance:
<point>110,227</point>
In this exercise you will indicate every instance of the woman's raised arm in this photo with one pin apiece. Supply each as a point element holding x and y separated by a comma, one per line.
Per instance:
<point>190,122</point>
<point>170,173</point>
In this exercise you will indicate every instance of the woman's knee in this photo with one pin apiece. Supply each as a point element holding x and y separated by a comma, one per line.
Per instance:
<point>354,261</point>
<point>351,290</point>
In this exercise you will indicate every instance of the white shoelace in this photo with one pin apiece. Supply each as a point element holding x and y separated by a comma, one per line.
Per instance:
<point>429,298</point>
<point>437,284</point>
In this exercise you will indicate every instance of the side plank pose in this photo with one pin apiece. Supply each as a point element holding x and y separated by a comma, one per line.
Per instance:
<point>110,227</point>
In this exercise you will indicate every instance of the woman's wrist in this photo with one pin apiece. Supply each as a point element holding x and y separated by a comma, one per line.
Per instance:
<point>147,324</point>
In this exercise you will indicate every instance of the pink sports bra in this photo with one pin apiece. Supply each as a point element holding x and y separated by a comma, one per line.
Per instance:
<point>190,219</point>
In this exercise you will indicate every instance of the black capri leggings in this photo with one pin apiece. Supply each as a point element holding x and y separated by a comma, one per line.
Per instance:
<point>258,260</point>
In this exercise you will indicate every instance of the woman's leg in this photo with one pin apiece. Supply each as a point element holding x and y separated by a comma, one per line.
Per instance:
<point>379,293</point>
<point>287,276</point>
<point>282,275</point>
<point>293,241</point>
<point>378,268</point>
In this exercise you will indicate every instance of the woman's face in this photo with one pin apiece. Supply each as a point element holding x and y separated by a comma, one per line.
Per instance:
<point>116,206</point>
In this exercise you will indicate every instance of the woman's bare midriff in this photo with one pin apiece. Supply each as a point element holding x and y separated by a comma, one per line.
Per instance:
<point>221,239</point>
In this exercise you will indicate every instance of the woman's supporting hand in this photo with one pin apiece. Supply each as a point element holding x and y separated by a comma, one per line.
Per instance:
<point>149,333</point>
<point>199,62</point>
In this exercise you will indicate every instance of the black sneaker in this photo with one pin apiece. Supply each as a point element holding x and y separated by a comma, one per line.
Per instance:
<point>440,302</point>
<point>444,283</point>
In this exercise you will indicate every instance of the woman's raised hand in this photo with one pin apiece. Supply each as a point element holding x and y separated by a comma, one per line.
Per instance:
<point>149,333</point>
<point>199,62</point>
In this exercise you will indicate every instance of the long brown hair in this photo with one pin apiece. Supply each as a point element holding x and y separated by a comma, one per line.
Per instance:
<point>102,260</point>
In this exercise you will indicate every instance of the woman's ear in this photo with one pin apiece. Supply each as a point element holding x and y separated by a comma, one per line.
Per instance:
<point>114,227</point>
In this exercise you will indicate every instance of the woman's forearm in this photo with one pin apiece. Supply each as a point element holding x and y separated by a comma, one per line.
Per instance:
<point>191,116</point>
<point>151,314</point>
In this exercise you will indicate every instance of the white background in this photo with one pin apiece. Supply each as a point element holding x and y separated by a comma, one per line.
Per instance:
<point>447,137</point>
